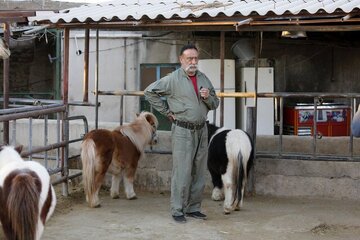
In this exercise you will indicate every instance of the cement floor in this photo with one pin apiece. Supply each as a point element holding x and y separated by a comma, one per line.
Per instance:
<point>148,218</point>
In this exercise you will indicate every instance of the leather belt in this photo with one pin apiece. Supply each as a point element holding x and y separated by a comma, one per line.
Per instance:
<point>189,125</point>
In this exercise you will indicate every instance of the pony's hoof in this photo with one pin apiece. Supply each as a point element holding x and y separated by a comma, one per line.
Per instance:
<point>115,196</point>
<point>132,198</point>
<point>237,209</point>
<point>95,205</point>
<point>217,199</point>
<point>217,195</point>
<point>227,210</point>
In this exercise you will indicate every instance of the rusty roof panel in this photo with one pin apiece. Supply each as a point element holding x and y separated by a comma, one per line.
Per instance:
<point>175,9</point>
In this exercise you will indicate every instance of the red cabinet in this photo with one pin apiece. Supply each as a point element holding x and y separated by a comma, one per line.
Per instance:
<point>332,120</point>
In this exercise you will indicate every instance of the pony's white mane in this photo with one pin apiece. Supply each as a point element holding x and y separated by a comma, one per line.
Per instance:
<point>217,132</point>
<point>139,131</point>
<point>7,155</point>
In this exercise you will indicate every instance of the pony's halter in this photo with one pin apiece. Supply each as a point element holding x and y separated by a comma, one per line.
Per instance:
<point>153,134</point>
<point>154,129</point>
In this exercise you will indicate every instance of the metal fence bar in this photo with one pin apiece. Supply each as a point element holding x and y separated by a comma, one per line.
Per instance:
<point>317,96</point>
<point>58,117</point>
<point>35,113</point>
<point>43,111</point>
<point>46,139</point>
<point>13,138</point>
<point>281,126</point>
<point>315,132</point>
<point>30,137</point>
<point>65,172</point>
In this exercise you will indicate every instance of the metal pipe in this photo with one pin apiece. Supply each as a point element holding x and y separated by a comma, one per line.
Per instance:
<point>97,81</point>
<point>281,128</point>
<point>33,101</point>
<point>30,137</point>
<point>13,137</point>
<point>27,109</point>
<point>315,133</point>
<point>141,93</point>
<point>247,94</point>
<point>347,17</point>
<point>257,53</point>
<point>351,145</point>
<point>46,140</point>
<point>65,172</point>
<point>86,67</point>
<point>222,56</point>
<point>80,117</point>
<point>58,137</point>
<point>244,22</point>
<point>14,116</point>
<point>66,66</point>
<point>65,179</point>
<point>58,66</point>
<point>121,120</point>
<point>42,149</point>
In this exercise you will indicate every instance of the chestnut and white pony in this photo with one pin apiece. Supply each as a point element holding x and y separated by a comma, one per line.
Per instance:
<point>230,158</point>
<point>118,153</point>
<point>27,198</point>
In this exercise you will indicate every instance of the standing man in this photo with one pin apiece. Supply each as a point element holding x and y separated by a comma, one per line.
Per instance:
<point>189,97</point>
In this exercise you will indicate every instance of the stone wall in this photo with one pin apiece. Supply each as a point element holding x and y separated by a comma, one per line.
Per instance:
<point>295,178</point>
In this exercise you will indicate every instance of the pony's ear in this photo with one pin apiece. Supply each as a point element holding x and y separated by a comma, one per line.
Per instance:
<point>137,114</point>
<point>19,148</point>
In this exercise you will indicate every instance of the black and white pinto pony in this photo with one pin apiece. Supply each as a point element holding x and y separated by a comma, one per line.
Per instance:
<point>230,159</point>
<point>27,198</point>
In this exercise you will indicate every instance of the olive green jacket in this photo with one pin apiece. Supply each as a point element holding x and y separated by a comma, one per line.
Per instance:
<point>181,97</point>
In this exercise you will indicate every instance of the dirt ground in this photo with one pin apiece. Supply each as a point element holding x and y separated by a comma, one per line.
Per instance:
<point>148,218</point>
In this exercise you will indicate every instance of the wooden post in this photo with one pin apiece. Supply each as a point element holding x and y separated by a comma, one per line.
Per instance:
<point>6,71</point>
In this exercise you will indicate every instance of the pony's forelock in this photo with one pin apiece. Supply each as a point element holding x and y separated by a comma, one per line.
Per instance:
<point>150,117</point>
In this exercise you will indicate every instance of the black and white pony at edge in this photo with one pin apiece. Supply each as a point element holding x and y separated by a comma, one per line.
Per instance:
<point>27,197</point>
<point>230,159</point>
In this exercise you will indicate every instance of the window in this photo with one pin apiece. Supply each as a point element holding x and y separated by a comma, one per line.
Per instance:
<point>148,74</point>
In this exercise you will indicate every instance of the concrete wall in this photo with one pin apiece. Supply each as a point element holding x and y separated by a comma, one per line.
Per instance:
<point>295,178</point>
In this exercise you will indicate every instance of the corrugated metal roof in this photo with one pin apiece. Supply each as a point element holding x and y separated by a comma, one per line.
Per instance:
<point>175,9</point>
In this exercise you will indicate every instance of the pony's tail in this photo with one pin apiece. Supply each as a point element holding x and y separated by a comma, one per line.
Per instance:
<point>22,205</point>
<point>240,179</point>
<point>88,156</point>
